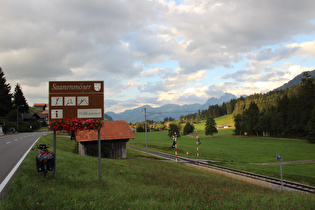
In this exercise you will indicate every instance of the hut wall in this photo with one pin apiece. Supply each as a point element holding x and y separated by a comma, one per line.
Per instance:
<point>109,149</point>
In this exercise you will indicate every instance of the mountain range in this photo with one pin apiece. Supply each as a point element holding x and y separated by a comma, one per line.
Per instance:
<point>168,110</point>
<point>175,111</point>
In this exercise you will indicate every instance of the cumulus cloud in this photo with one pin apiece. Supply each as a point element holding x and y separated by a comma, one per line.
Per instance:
<point>128,44</point>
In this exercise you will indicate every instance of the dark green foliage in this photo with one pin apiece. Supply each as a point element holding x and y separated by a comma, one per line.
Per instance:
<point>251,119</point>
<point>5,96</point>
<point>172,129</point>
<point>311,128</point>
<point>140,127</point>
<point>189,128</point>
<point>239,128</point>
<point>278,113</point>
<point>211,127</point>
<point>19,100</point>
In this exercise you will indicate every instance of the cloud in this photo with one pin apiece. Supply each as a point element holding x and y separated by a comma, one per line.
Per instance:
<point>275,54</point>
<point>130,45</point>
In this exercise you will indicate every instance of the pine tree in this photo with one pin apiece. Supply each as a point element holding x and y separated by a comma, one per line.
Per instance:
<point>5,96</point>
<point>251,119</point>
<point>211,127</point>
<point>239,126</point>
<point>311,128</point>
<point>19,99</point>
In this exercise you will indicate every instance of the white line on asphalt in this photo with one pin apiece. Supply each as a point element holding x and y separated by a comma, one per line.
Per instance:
<point>7,179</point>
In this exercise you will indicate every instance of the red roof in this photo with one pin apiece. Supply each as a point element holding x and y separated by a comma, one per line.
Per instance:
<point>39,104</point>
<point>111,130</point>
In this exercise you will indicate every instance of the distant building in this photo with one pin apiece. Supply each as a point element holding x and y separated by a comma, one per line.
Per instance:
<point>29,116</point>
<point>40,106</point>
<point>114,136</point>
<point>223,126</point>
<point>44,116</point>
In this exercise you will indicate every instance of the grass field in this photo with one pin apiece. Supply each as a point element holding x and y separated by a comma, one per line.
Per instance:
<point>240,152</point>
<point>138,182</point>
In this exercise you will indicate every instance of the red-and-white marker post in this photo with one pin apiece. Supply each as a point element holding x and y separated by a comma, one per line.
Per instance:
<point>197,144</point>
<point>175,138</point>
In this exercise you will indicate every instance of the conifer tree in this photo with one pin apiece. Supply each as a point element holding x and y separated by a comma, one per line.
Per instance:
<point>211,127</point>
<point>251,119</point>
<point>189,128</point>
<point>311,128</point>
<point>5,96</point>
<point>19,99</point>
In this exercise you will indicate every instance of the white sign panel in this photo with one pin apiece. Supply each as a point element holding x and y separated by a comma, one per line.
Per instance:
<point>83,101</point>
<point>56,113</point>
<point>56,101</point>
<point>70,101</point>
<point>90,113</point>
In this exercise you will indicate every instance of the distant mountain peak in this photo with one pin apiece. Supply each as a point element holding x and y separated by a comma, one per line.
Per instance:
<point>169,110</point>
<point>295,81</point>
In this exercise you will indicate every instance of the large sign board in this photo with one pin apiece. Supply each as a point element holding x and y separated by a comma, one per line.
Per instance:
<point>81,99</point>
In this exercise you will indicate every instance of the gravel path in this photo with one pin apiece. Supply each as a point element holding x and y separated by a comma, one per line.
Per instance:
<point>285,163</point>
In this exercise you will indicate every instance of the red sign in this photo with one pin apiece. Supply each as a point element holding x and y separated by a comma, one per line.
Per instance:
<point>81,99</point>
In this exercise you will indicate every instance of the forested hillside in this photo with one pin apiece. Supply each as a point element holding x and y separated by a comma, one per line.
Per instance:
<point>287,113</point>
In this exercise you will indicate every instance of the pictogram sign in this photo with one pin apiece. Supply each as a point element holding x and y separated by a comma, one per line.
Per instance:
<point>81,99</point>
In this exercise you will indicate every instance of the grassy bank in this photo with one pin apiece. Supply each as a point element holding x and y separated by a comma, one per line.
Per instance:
<point>138,182</point>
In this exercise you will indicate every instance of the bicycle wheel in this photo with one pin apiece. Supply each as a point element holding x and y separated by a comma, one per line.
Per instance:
<point>45,170</point>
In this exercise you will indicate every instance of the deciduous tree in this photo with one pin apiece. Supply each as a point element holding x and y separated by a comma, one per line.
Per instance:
<point>173,128</point>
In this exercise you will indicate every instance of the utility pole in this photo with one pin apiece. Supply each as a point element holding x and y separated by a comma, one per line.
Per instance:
<point>145,127</point>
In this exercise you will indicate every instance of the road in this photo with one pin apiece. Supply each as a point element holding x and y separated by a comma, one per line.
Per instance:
<point>12,149</point>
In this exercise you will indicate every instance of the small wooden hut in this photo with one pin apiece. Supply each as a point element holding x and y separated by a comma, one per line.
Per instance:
<point>114,136</point>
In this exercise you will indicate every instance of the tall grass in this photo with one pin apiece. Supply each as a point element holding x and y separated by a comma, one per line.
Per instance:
<point>138,182</point>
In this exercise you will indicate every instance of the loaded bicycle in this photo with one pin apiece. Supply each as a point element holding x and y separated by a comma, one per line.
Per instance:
<point>45,160</point>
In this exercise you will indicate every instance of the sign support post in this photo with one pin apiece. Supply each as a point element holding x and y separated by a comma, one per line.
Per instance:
<point>99,155</point>
<point>278,156</point>
<point>55,171</point>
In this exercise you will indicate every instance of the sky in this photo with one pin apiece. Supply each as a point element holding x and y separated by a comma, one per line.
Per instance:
<point>156,52</point>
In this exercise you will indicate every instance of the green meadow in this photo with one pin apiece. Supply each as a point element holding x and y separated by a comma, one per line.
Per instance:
<point>143,181</point>
<point>239,152</point>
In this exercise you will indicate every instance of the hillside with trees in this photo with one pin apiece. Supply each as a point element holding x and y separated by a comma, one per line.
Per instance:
<point>288,112</point>
<point>282,113</point>
<point>12,106</point>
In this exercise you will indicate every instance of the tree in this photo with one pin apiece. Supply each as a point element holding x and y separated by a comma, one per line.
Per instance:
<point>239,127</point>
<point>5,97</point>
<point>19,99</point>
<point>189,128</point>
<point>140,127</point>
<point>211,127</point>
<point>198,119</point>
<point>251,119</point>
<point>172,129</point>
<point>311,128</point>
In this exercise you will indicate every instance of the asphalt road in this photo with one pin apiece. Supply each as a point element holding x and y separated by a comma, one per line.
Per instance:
<point>13,148</point>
